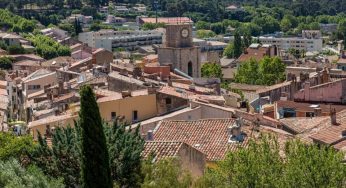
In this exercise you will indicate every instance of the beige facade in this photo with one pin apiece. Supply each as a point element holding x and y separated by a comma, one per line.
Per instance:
<point>134,109</point>
<point>37,80</point>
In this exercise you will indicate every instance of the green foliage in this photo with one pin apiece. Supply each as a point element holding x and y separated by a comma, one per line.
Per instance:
<point>95,164</point>
<point>268,71</point>
<point>12,175</point>
<point>62,159</point>
<point>261,165</point>
<point>124,149</point>
<point>16,49</point>
<point>202,34</point>
<point>237,45</point>
<point>166,173</point>
<point>211,70</point>
<point>229,51</point>
<point>15,23</point>
<point>6,62</point>
<point>47,48</point>
<point>151,26</point>
<point>202,25</point>
<point>3,45</point>
<point>15,147</point>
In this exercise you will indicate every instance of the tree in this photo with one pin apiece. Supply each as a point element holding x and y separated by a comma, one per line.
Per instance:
<point>165,173</point>
<point>77,27</point>
<point>125,148</point>
<point>3,45</point>
<point>63,158</point>
<point>95,27</point>
<point>267,71</point>
<point>13,175</point>
<point>261,165</point>
<point>15,49</point>
<point>285,25</point>
<point>12,146</point>
<point>95,159</point>
<point>229,51</point>
<point>247,39</point>
<point>202,34</point>
<point>237,45</point>
<point>211,70</point>
<point>6,63</point>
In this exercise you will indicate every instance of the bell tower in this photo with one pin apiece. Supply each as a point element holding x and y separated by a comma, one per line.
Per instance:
<point>179,35</point>
<point>178,51</point>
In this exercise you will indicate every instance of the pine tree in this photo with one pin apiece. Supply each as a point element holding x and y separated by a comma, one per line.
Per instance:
<point>95,160</point>
<point>125,148</point>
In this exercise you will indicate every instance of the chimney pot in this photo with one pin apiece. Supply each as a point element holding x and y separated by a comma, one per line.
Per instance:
<point>150,135</point>
<point>333,117</point>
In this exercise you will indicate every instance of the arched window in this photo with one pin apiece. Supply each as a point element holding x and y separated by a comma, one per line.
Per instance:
<point>189,69</point>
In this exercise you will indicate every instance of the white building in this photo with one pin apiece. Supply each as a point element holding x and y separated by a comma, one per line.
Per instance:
<point>129,40</point>
<point>310,41</point>
<point>81,19</point>
<point>114,20</point>
<point>55,33</point>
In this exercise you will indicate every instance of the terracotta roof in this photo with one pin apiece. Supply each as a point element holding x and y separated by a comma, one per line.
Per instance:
<point>273,87</point>
<point>246,87</point>
<point>322,125</point>
<point>307,107</point>
<point>51,119</point>
<point>341,146</point>
<point>330,135</point>
<point>59,61</point>
<point>64,97</point>
<point>256,54</point>
<point>209,135</point>
<point>110,98</point>
<point>168,20</point>
<point>161,149</point>
<point>28,62</point>
<point>299,125</point>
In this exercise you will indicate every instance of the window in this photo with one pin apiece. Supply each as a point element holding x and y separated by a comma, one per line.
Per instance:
<point>310,114</point>
<point>135,115</point>
<point>168,101</point>
<point>113,115</point>
<point>189,69</point>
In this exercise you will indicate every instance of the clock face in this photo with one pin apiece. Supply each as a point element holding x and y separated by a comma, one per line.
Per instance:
<point>184,33</point>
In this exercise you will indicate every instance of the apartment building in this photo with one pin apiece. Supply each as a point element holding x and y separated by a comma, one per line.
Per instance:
<point>129,40</point>
<point>310,41</point>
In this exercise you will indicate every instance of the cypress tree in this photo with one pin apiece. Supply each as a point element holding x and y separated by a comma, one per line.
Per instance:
<point>95,159</point>
<point>237,44</point>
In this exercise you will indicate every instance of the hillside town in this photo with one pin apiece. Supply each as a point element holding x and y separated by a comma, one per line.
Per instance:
<point>178,90</point>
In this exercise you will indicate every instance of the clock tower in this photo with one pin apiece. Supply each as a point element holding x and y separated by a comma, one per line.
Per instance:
<point>179,35</point>
<point>178,51</point>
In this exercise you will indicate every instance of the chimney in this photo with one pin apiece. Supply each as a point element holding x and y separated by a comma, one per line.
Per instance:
<point>150,135</point>
<point>61,86</point>
<point>151,90</point>
<point>333,117</point>
<point>318,112</point>
<point>126,93</point>
<point>169,82</point>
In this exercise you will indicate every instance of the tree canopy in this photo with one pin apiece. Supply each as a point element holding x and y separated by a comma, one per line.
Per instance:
<point>47,47</point>
<point>267,71</point>
<point>211,70</point>
<point>262,165</point>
